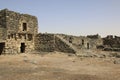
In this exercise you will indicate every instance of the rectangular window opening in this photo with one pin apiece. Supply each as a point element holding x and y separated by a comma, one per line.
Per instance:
<point>24,26</point>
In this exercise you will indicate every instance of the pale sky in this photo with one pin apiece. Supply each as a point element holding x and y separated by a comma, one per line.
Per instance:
<point>74,17</point>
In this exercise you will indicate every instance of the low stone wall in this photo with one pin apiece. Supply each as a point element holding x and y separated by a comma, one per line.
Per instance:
<point>49,43</point>
<point>112,49</point>
<point>113,42</point>
<point>44,42</point>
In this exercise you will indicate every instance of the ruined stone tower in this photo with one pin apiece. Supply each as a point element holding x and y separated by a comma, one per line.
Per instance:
<point>17,32</point>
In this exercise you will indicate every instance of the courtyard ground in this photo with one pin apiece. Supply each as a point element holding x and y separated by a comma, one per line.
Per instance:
<point>57,66</point>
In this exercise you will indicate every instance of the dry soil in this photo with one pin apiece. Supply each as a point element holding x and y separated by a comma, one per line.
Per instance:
<point>57,66</point>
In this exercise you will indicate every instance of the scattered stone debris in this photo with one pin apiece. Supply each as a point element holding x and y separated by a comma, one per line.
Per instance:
<point>114,54</point>
<point>25,60</point>
<point>33,61</point>
<point>117,61</point>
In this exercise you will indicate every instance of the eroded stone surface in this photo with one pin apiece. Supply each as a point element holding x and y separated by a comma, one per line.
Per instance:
<point>17,32</point>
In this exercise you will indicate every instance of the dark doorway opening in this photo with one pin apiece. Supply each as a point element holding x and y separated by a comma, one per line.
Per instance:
<point>88,46</point>
<point>2,46</point>
<point>82,42</point>
<point>22,48</point>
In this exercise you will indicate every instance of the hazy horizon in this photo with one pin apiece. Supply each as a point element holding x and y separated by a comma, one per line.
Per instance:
<point>73,17</point>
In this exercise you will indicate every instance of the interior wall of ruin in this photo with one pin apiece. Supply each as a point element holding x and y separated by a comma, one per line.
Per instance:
<point>82,42</point>
<point>49,43</point>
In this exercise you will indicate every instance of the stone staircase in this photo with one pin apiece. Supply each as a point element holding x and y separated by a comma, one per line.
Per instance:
<point>78,51</point>
<point>68,43</point>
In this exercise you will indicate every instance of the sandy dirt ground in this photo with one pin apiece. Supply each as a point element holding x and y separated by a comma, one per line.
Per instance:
<point>57,66</point>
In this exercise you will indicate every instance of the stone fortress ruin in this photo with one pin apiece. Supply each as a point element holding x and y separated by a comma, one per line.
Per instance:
<point>19,34</point>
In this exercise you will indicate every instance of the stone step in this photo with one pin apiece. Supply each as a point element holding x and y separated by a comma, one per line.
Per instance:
<point>67,42</point>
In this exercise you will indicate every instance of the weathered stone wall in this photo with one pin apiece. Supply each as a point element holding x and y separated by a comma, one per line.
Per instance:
<point>113,42</point>
<point>95,40</point>
<point>17,28</point>
<point>62,46</point>
<point>45,42</point>
<point>83,42</point>
<point>2,25</point>
<point>14,22</point>
<point>49,42</point>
